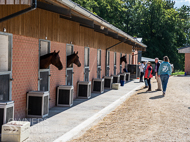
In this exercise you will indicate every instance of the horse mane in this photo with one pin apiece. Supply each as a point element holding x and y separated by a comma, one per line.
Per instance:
<point>46,56</point>
<point>70,56</point>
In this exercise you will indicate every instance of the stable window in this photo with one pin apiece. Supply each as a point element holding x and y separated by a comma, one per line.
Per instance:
<point>129,59</point>
<point>115,62</point>
<point>121,63</point>
<point>69,70</point>
<point>5,66</point>
<point>108,63</point>
<point>126,59</point>
<point>44,74</point>
<point>99,63</point>
<point>86,63</point>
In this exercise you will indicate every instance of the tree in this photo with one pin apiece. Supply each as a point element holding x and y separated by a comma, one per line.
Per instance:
<point>162,27</point>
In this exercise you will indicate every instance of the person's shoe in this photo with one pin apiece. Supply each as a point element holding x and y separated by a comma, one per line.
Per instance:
<point>164,94</point>
<point>158,90</point>
<point>146,87</point>
<point>148,90</point>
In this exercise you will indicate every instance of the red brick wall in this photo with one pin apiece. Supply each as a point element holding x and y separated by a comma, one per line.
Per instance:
<point>25,71</point>
<point>78,71</point>
<point>93,64</point>
<point>103,58</point>
<point>57,76</point>
<point>187,63</point>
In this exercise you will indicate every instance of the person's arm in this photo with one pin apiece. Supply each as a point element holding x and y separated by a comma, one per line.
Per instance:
<point>149,71</point>
<point>170,71</point>
<point>159,70</point>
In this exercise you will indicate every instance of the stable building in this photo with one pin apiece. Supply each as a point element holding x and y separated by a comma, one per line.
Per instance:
<point>32,28</point>
<point>186,50</point>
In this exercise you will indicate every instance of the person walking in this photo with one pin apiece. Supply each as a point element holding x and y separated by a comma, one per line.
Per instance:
<point>145,79</point>
<point>148,75</point>
<point>164,73</point>
<point>157,65</point>
<point>141,67</point>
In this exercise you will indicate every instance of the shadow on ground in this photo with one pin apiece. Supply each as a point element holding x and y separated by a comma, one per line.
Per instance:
<point>156,97</point>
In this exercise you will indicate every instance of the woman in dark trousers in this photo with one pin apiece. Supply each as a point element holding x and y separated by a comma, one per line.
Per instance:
<point>164,73</point>
<point>148,75</point>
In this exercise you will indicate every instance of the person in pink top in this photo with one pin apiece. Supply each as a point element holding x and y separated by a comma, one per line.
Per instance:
<point>148,75</point>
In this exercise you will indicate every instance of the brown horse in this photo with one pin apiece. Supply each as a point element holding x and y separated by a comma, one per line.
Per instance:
<point>51,58</point>
<point>123,59</point>
<point>73,58</point>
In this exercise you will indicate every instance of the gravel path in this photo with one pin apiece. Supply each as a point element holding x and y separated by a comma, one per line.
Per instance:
<point>148,117</point>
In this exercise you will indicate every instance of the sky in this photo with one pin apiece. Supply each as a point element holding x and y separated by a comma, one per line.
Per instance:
<point>179,3</point>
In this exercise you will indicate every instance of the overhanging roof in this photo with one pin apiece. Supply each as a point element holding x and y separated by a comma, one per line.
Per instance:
<point>81,15</point>
<point>149,59</point>
<point>184,49</point>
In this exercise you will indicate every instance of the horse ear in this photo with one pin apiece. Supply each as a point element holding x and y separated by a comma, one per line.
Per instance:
<point>58,51</point>
<point>74,52</point>
<point>77,52</point>
<point>54,51</point>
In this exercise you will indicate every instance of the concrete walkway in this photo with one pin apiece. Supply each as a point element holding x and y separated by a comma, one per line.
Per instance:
<point>64,123</point>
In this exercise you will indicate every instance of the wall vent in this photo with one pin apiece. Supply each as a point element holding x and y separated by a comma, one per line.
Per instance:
<point>108,80</point>
<point>98,85</point>
<point>6,112</point>
<point>84,89</point>
<point>65,95</point>
<point>37,104</point>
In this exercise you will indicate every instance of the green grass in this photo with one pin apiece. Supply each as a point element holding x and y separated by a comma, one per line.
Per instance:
<point>178,73</point>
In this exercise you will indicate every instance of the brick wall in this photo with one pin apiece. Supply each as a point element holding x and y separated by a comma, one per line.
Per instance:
<point>78,71</point>
<point>57,76</point>
<point>187,63</point>
<point>25,71</point>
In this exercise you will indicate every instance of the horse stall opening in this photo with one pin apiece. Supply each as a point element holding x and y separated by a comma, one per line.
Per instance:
<point>44,74</point>
<point>5,66</point>
<point>6,111</point>
<point>99,63</point>
<point>108,63</point>
<point>120,64</point>
<point>115,61</point>
<point>86,63</point>
<point>69,70</point>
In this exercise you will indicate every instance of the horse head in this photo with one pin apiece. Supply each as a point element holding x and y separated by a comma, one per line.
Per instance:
<point>123,59</point>
<point>56,60</point>
<point>76,59</point>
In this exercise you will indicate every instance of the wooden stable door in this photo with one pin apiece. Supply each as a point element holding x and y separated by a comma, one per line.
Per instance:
<point>5,67</point>
<point>115,63</point>
<point>121,63</point>
<point>86,63</point>
<point>99,63</point>
<point>69,70</point>
<point>44,74</point>
<point>108,63</point>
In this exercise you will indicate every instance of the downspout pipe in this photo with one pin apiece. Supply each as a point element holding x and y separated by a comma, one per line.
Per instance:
<point>32,7</point>
<point>106,54</point>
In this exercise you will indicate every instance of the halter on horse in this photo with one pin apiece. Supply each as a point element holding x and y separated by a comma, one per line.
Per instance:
<point>51,58</point>
<point>73,58</point>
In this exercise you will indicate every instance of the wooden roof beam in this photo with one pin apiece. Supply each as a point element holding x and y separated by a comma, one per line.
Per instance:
<point>83,22</point>
<point>53,8</point>
<point>112,34</point>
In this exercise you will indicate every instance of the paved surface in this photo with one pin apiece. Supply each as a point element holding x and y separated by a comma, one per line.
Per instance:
<point>148,117</point>
<point>63,119</point>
